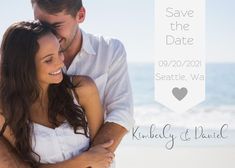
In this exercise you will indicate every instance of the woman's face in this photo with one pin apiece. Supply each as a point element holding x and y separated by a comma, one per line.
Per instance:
<point>49,61</point>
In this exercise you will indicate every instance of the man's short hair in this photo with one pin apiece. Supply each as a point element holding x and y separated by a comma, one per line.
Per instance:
<point>55,6</point>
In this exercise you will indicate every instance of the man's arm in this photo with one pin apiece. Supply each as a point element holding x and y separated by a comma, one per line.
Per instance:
<point>118,101</point>
<point>110,131</point>
<point>9,157</point>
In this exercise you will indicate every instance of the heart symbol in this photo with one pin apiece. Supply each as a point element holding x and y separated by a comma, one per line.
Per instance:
<point>179,93</point>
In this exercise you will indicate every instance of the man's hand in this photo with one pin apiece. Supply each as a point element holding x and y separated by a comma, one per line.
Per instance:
<point>110,131</point>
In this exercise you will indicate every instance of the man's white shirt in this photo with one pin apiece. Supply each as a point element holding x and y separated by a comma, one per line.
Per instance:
<point>104,60</point>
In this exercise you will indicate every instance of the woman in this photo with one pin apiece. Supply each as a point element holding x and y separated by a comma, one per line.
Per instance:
<point>49,117</point>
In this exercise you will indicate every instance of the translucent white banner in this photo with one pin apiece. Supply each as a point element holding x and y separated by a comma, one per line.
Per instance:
<point>180,53</point>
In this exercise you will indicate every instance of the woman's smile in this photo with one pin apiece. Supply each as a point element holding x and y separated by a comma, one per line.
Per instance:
<point>58,72</point>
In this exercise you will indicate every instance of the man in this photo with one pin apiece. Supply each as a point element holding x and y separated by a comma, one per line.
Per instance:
<point>104,60</point>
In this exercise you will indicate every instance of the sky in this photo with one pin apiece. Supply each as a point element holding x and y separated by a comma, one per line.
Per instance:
<point>132,21</point>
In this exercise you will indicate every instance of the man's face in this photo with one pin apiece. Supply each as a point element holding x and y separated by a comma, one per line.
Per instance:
<point>65,25</point>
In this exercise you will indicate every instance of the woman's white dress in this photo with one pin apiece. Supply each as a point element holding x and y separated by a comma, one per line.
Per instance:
<point>59,144</point>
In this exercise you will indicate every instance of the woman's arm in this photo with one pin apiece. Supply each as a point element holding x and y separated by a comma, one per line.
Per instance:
<point>8,154</point>
<point>7,134</point>
<point>89,99</point>
<point>9,157</point>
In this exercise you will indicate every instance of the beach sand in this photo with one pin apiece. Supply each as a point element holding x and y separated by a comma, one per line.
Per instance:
<point>180,157</point>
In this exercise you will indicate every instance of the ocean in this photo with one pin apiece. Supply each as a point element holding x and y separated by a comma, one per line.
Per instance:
<point>207,120</point>
<point>219,106</point>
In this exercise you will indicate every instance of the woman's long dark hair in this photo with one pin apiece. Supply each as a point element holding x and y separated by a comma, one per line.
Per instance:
<point>19,87</point>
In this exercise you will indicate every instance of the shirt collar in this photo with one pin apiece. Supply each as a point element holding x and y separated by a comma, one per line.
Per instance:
<point>86,44</point>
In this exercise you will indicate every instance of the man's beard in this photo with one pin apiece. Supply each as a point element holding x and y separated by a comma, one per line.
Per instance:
<point>70,42</point>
